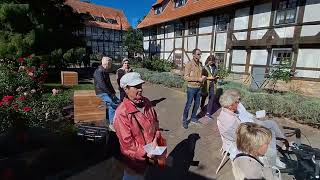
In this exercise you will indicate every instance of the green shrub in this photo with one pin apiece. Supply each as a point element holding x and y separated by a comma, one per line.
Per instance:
<point>165,78</point>
<point>157,65</point>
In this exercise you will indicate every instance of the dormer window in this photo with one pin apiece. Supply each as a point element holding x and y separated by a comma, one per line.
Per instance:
<point>157,10</point>
<point>111,21</point>
<point>179,3</point>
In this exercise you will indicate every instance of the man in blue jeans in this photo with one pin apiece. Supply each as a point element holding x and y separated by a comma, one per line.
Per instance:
<point>104,88</point>
<point>194,78</point>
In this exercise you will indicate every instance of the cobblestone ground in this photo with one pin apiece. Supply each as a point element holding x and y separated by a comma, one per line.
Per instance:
<point>207,147</point>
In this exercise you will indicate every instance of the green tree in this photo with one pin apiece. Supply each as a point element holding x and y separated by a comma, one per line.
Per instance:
<point>132,41</point>
<point>37,27</point>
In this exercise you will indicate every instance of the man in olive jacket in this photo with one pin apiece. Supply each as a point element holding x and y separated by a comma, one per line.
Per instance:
<point>194,78</point>
<point>104,88</point>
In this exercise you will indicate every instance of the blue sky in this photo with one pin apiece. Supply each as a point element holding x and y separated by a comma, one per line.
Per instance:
<point>133,9</point>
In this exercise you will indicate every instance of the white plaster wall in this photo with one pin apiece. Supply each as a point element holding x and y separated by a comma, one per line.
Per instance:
<point>204,57</point>
<point>307,73</point>
<point>169,45</point>
<point>312,11</point>
<point>160,33</point>
<point>227,60</point>
<point>261,15</point>
<point>241,18</point>
<point>178,42</point>
<point>204,43</point>
<point>238,68</point>
<point>145,38</point>
<point>240,35</point>
<point>286,32</point>
<point>205,25</point>
<point>259,57</point>
<point>239,56</point>
<point>146,45</point>
<point>221,41</point>
<point>169,31</point>
<point>310,30</point>
<point>191,43</point>
<point>166,56</point>
<point>162,45</point>
<point>258,34</point>
<point>308,58</point>
<point>162,55</point>
<point>159,45</point>
<point>185,44</point>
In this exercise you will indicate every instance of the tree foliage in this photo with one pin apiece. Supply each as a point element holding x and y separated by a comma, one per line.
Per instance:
<point>37,27</point>
<point>132,41</point>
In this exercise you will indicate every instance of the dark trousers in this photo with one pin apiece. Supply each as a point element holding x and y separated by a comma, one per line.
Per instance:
<point>192,94</point>
<point>212,103</point>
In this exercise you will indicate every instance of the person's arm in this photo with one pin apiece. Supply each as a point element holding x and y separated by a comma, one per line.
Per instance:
<point>109,86</point>
<point>120,73</point>
<point>131,148</point>
<point>187,72</point>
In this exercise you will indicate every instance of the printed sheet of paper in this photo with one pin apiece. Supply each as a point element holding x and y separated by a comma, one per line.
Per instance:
<point>156,151</point>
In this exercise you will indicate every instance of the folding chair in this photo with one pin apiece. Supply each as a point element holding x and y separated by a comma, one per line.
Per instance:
<point>227,145</point>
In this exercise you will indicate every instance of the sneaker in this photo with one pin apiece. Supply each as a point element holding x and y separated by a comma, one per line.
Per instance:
<point>111,128</point>
<point>208,116</point>
<point>195,122</point>
<point>280,164</point>
<point>185,126</point>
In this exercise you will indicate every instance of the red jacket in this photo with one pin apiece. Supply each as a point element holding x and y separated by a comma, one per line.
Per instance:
<point>127,122</point>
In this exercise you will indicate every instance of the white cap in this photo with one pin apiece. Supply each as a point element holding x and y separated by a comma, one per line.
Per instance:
<point>130,79</point>
<point>261,114</point>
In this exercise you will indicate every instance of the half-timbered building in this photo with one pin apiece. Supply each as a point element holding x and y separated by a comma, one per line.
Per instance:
<point>104,28</point>
<point>247,36</point>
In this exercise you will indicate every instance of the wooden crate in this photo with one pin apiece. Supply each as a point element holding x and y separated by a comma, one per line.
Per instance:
<point>86,109</point>
<point>69,78</point>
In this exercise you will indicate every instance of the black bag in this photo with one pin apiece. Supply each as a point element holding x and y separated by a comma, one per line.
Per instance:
<point>96,134</point>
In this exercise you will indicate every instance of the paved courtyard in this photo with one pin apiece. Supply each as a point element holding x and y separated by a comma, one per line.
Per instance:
<point>206,149</point>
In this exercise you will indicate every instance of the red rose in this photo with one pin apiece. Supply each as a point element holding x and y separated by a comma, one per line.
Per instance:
<point>7,99</point>
<point>42,65</point>
<point>16,106</point>
<point>1,103</point>
<point>21,59</point>
<point>26,109</point>
<point>30,57</point>
<point>22,98</point>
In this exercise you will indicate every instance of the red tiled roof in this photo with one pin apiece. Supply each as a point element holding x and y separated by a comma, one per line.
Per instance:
<point>191,7</point>
<point>158,2</point>
<point>100,11</point>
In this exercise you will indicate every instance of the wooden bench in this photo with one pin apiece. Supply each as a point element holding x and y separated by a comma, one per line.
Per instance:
<point>69,78</point>
<point>87,107</point>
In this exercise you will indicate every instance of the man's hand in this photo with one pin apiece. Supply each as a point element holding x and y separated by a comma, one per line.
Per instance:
<point>202,79</point>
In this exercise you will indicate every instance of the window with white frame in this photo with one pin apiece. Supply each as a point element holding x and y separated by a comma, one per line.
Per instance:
<point>222,23</point>
<point>179,3</point>
<point>193,26</point>
<point>286,12</point>
<point>281,56</point>
<point>178,29</point>
<point>157,10</point>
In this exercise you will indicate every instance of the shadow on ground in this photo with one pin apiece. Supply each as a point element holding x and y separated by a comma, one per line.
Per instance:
<point>37,154</point>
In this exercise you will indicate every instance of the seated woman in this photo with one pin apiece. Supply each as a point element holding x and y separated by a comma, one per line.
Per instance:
<point>228,123</point>
<point>136,125</point>
<point>252,141</point>
<point>245,116</point>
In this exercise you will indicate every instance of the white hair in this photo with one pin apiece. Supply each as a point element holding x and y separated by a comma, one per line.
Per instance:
<point>226,100</point>
<point>105,60</point>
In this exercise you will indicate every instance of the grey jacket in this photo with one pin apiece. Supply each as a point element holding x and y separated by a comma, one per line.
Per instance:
<point>102,82</point>
<point>248,167</point>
